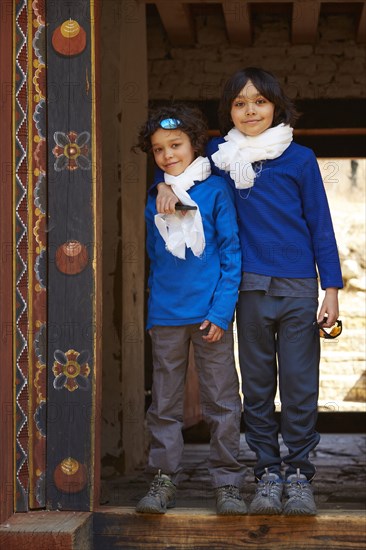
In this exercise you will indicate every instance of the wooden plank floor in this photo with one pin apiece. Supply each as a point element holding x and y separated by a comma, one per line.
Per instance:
<point>340,483</point>
<point>339,488</point>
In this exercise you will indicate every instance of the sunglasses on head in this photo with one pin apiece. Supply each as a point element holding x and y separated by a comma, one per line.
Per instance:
<point>170,123</point>
<point>334,331</point>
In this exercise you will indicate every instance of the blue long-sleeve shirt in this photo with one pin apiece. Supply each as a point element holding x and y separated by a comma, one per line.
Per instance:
<point>189,291</point>
<point>285,225</point>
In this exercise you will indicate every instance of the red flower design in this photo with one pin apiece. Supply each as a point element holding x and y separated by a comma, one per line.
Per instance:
<point>71,151</point>
<point>71,370</point>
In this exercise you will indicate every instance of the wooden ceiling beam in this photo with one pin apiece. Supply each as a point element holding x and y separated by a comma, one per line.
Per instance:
<point>238,23</point>
<point>305,19</point>
<point>177,21</point>
<point>361,27</point>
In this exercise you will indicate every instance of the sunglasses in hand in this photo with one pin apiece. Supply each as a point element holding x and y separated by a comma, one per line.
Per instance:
<point>331,333</point>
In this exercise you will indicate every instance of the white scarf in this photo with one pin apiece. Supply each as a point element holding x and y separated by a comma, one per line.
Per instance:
<point>239,151</point>
<point>180,231</point>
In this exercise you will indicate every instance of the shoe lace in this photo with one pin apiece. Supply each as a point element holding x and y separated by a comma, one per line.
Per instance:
<point>268,487</point>
<point>230,491</point>
<point>157,484</point>
<point>300,488</point>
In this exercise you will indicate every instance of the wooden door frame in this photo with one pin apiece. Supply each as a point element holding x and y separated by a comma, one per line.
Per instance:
<point>7,248</point>
<point>132,272</point>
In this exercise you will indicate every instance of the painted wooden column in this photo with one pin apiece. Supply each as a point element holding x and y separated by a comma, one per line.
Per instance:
<point>74,245</point>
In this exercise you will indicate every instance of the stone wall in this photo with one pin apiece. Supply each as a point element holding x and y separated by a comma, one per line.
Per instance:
<point>342,369</point>
<point>334,67</point>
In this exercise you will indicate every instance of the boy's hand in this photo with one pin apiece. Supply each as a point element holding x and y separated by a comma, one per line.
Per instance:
<point>214,334</point>
<point>166,200</point>
<point>329,308</point>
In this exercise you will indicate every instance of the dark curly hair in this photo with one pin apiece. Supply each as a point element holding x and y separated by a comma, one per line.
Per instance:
<point>268,85</point>
<point>192,123</point>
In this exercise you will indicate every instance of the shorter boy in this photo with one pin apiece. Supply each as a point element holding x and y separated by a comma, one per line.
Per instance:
<point>193,281</point>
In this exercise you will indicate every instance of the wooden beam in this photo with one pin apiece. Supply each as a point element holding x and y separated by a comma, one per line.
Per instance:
<point>305,17</point>
<point>361,27</point>
<point>177,22</point>
<point>197,528</point>
<point>132,102</point>
<point>6,272</point>
<point>238,23</point>
<point>45,530</point>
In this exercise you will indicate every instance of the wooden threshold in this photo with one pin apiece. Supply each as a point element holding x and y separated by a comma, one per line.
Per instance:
<point>47,531</point>
<point>187,528</point>
<point>110,528</point>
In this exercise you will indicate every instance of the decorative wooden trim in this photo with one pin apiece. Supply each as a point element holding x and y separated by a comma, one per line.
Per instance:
<point>95,8</point>
<point>20,255</point>
<point>6,271</point>
<point>37,247</point>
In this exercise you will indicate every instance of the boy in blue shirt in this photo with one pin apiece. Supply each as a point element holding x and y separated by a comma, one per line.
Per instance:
<point>194,277</point>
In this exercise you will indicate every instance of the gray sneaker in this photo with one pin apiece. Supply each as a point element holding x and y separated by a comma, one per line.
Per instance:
<point>300,496</point>
<point>229,501</point>
<point>268,495</point>
<point>161,496</point>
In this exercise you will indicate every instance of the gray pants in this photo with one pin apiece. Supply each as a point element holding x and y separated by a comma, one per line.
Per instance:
<point>276,331</point>
<point>220,400</point>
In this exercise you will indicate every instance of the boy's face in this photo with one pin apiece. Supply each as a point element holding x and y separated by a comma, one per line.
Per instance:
<point>173,151</point>
<point>251,112</point>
